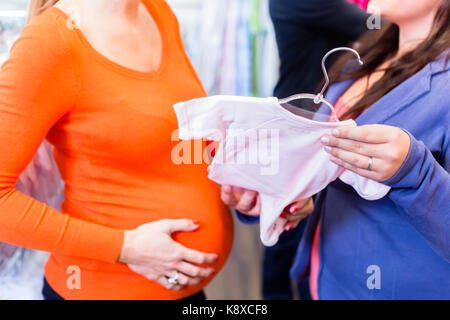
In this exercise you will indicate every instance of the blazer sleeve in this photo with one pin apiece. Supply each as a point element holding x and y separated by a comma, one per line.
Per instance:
<point>421,190</point>
<point>246,219</point>
<point>38,87</point>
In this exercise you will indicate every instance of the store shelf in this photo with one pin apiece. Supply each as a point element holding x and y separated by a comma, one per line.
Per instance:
<point>14,4</point>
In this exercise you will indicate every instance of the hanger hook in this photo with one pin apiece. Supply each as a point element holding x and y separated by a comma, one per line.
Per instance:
<point>319,97</point>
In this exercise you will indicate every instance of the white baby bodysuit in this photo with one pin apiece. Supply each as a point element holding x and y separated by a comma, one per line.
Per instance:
<point>268,149</point>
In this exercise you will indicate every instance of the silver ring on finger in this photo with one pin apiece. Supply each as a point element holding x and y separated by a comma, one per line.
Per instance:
<point>173,281</point>
<point>369,166</point>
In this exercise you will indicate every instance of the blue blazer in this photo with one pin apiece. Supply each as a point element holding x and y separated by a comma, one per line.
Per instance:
<point>396,247</point>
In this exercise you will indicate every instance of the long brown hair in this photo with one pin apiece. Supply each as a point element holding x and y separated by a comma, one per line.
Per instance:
<point>37,6</point>
<point>381,45</point>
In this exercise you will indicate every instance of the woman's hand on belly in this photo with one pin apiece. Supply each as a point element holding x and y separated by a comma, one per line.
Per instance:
<point>244,201</point>
<point>150,251</point>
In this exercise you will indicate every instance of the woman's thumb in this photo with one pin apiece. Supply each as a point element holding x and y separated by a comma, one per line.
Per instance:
<point>182,225</point>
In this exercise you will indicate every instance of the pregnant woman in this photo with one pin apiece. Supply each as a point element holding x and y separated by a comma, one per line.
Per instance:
<point>98,79</point>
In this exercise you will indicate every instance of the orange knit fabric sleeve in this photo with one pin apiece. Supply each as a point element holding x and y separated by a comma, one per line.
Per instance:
<point>38,87</point>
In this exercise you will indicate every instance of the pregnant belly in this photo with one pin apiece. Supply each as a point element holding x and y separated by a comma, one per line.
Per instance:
<point>214,235</point>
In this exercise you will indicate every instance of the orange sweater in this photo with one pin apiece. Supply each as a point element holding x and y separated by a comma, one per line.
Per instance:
<point>111,129</point>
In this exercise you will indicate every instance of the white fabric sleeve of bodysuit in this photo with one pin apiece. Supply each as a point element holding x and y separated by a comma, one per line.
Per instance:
<point>271,224</point>
<point>366,188</point>
<point>206,118</point>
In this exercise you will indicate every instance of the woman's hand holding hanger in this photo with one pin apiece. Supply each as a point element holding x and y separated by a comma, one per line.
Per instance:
<point>373,151</point>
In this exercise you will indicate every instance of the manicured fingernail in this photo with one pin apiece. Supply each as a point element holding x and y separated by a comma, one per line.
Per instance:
<point>283,215</point>
<point>335,132</point>
<point>288,228</point>
<point>327,149</point>
<point>325,140</point>
<point>293,210</point>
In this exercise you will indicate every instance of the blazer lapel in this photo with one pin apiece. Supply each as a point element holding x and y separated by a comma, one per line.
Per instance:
<point>400,97</point>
